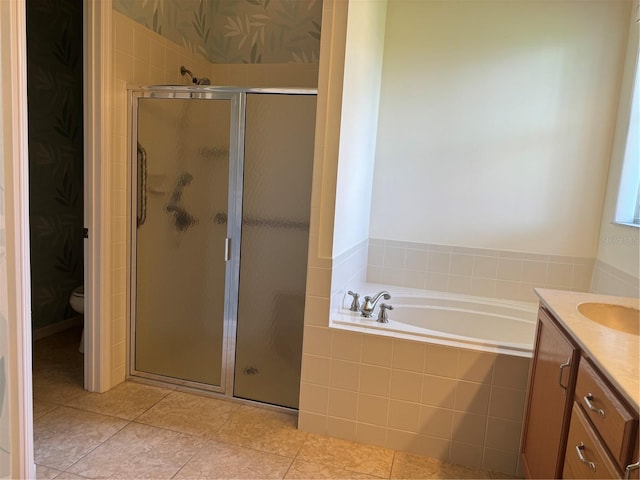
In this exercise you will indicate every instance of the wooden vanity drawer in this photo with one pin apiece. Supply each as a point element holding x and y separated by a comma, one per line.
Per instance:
<point>611,418</point>
<point>585,456</point>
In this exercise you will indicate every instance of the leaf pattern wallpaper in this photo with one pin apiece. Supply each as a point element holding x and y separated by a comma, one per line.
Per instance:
<point>235,31</point>
<point>54,91</point>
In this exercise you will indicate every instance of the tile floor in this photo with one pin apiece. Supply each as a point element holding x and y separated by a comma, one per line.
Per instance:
<point>141,431</point>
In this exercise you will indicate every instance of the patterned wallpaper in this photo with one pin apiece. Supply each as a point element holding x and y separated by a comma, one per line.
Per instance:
<point>235,31</point>
<point>54,89</point>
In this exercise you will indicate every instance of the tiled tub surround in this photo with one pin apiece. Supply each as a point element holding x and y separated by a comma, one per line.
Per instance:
<point>474,271</point>
<point>452,404</point>
<point>608,280</point>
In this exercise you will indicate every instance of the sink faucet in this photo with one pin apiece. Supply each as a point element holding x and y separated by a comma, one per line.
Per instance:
<point>369,303</point>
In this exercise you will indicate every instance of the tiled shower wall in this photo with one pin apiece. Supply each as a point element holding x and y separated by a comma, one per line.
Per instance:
<point>474,271</point>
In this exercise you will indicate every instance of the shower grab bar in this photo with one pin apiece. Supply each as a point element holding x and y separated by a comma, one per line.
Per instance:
<point>221,219</point>
<point>142,185</point>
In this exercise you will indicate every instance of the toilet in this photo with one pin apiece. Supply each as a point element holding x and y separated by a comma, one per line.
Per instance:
<point>76,300</point>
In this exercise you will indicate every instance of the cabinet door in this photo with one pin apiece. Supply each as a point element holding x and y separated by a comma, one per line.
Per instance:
<point>550,394</point>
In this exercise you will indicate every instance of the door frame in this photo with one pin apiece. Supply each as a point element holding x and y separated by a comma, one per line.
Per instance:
<point>98,95</point>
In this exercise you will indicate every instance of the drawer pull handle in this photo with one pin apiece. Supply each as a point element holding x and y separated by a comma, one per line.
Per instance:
<point>579,448</point>
<point>587,399</point>
<point>562,367</point>
<point>629,468</point>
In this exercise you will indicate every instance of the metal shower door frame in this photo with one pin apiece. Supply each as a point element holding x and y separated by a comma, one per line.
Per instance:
<point>234,220</point>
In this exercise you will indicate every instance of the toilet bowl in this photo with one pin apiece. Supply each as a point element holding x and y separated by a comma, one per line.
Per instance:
<point>76,300</point>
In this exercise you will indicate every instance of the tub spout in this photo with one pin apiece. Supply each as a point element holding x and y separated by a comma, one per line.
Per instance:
<point>370,303</point>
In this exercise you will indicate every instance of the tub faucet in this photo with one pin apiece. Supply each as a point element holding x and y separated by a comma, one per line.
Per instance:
<point>370,303</point>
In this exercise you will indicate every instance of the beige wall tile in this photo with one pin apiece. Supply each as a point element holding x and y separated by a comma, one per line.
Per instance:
<point>375,380</point>
<point>510,371</point>
<point>534,272</point>
<point>373,410</point>
<point>475,366</point>
<point>312,422</point>
<point>436,281</point>
<point>319,282</point>
<point>438,391</point>
<point>509,269</point>
<point>402,440</point>
<point>346,345</point>
<point>507,403</point>
<point>343,404</point>
<point>465,454</point>
<point>434,447</point>
<point>498,461</point>
<point>438,262</point>
<point>316,369</point>
<point>406,386</point>
<point>408,355</point>
<point>472,397</point>
<point>317,340</point>
<point>376,350</point>
<point>560,274</point>
<point>373,434</point>
<point>316,311</point>
<point>503,434</point>
<point>461,264</point>
<point>345,375</point>
<point>435,422</point>
<point>485,267</point>
<point>314,398</point>
<point>441,361</point>
<point>341,428</point>
<point>404,416</point>
<point>469,428</point>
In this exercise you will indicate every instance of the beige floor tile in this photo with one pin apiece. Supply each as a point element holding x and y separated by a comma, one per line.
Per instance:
<point>139,451</point>
<point>352,456</point>
<point>42,408</point>
<point>64,435</point>
<point>69,476</point>
<point>222,460</point>
<point>127,400</point>
<point>46,473</point>
<point>410,466</point>
<point>190,414</point>
<point>501,476</point>
<point>55,389</point>
<point>264,430</point>
<point>301,469</point>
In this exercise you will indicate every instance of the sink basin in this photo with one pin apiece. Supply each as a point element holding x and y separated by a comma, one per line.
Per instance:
<point>624,319</point>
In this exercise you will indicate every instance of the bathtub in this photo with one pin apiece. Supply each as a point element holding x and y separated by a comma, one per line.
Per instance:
<point>477,323</point>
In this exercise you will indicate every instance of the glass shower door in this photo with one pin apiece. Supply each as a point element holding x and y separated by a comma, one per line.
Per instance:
<point>278,161</point>
<point>181,272</point>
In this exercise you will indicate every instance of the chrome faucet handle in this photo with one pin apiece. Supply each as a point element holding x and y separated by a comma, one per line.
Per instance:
<point>355,305</point>
<point>383,316</point>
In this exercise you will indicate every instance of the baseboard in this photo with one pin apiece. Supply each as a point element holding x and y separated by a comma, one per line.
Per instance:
<point>49,330</point>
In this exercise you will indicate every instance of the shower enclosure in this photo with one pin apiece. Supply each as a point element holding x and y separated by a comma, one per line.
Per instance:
<point>220,227</point>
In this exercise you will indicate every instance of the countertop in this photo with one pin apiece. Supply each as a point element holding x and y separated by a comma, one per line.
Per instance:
<point>616,353</point>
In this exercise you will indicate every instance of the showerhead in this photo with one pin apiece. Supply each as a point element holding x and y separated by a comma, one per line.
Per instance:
<point>195,80</point>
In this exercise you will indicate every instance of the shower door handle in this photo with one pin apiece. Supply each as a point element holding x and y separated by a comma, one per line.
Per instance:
<point>227,249</point>
<point>142,185</point>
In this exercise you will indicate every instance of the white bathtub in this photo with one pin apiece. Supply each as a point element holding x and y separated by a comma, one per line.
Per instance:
<point>477,323</point>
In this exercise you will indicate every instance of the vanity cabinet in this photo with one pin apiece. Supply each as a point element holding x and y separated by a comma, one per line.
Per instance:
<point>550,396</point>
<point>577,425</point>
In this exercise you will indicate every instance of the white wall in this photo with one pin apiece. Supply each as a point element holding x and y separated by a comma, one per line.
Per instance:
<point>619,245</point>
<point>360,100</point>
<point>496,121</point>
